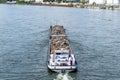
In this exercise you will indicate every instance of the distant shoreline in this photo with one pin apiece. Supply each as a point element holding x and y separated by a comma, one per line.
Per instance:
<point>71,4</point>
<point>54,4</point>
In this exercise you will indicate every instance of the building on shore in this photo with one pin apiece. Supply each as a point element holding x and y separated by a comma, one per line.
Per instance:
<point>114,2</point>
<point>96,1</point>
<point>108,2</point>
<point>11,1</point>
<point>38,1</point>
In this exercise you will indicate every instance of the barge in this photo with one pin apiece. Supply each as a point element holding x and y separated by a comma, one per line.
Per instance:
<point>60,55</point>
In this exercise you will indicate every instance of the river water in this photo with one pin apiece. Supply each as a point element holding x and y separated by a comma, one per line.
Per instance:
<point>94,36</point>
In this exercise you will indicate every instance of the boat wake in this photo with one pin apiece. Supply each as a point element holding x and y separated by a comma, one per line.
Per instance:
<point>63,76</point>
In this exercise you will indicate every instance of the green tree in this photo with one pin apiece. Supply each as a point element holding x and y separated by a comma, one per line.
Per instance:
<point>82,1</point>
<point>3,1</point>
<point>58,1</point>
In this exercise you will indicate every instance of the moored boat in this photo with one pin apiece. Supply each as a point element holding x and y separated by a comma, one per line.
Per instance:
<point>60,56</point>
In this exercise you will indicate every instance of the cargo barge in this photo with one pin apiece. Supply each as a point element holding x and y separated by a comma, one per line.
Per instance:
<point>60,55</point>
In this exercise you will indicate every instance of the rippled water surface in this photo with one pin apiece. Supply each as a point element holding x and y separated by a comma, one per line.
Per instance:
<point>24,35</point>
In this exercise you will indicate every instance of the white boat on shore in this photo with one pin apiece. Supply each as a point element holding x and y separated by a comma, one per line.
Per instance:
<point>60,56</point>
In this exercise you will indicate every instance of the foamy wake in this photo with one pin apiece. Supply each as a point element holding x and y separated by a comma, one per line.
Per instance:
<point>64,76</point>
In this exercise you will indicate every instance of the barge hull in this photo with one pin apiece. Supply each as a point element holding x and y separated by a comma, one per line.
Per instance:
<point>60,56</point>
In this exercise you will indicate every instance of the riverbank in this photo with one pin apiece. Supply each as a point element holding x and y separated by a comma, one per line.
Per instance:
<point>79,5</point>
<point>56,4</point>
<point>72,4</point>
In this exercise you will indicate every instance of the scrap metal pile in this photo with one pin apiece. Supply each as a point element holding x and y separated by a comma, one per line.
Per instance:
<point>59,40</point>
<point>57,30</point>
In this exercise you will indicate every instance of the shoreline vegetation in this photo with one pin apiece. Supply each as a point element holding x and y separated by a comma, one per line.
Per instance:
<point>66,4</point>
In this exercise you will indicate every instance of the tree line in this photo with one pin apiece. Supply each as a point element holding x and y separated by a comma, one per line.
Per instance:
<point>3,1</point>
